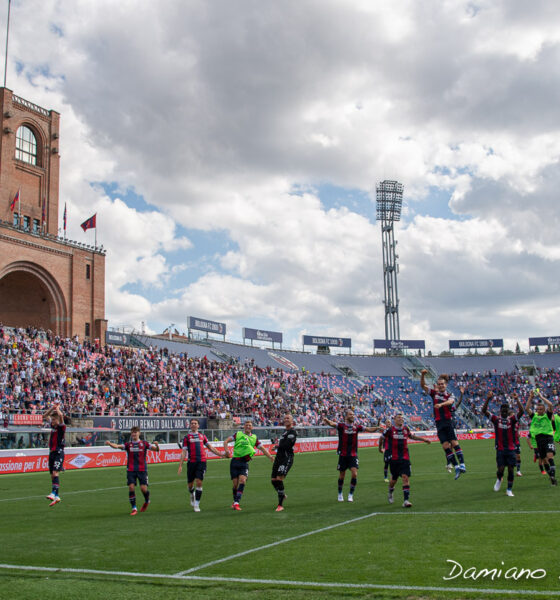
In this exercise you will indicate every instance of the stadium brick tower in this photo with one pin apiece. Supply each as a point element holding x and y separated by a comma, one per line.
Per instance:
<point>46,281</point>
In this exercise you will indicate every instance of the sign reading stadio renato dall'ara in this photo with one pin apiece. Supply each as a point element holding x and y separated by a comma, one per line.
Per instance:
<point>147,423</point>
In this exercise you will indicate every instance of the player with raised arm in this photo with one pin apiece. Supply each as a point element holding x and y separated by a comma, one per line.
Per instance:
<point>504,433</point>
<point>396,438</point>
<point>194,447</point>
<point>284,459</point>
<point>137,467</point>
<point>245,444</point>
<point>348,450</point>
<point>385,451</point>
<point>541,429</point>
<point>443,415</point>
<point>56,450</point>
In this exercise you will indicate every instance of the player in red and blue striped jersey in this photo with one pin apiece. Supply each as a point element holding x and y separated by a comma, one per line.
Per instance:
<point>396,439</point>
<point>56,449</point>
<point>505,435</point>
<point>137,467</point>
<point>348,450</point>
<point>443,415</point>
<point>194,447</point>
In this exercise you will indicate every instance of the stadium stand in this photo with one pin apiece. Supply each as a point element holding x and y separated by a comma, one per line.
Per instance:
<point>220,379</point>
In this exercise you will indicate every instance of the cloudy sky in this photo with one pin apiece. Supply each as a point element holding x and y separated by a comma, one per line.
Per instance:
<point>231,150</point>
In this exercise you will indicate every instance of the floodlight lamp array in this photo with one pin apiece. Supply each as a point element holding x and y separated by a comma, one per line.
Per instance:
<point>389,195</point>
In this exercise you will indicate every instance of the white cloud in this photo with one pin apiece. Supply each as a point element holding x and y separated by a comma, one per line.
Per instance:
<point>214,113</point>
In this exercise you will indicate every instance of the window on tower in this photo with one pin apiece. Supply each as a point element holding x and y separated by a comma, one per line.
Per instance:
<point>26,145</point>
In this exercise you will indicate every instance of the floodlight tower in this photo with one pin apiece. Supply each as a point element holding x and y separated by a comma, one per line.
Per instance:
<point>389,203</point>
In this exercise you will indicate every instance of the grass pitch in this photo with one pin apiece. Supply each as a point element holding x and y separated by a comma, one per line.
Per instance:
<point>317,548</point>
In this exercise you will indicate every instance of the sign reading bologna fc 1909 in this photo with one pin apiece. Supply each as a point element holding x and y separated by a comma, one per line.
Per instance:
<point>459,344</point>
<point>313,340</point>
<point>206,325</point>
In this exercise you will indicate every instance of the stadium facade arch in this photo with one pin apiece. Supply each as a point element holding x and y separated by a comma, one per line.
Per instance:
<point>46,280</point>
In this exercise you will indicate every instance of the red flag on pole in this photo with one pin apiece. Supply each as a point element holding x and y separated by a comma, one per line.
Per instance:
<point>13,203</point>
<point>90,223</point>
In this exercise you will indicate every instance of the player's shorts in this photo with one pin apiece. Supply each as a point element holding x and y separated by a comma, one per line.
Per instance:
<point>445,431</point>
<point>347,462</point>
<point>56,461</point>
<point>281,466</point>
<point>505,458</point>
<point>141,476</point>
<point>518,448</point>
<point>387,456</point>
<point>237,467</point>
<point>399,467</point>
<point>196,470</point>
<point>545,444</point>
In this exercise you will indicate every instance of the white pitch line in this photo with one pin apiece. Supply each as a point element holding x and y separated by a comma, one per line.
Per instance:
<point>283,582</point>
<point>373,514</point>
<point>277,543</point>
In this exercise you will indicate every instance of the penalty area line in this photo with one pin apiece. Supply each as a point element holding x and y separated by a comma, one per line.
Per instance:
<point>282,582</point>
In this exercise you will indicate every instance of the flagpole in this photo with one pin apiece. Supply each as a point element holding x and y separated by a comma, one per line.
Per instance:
<point>7,35</point>
<point>19,208</point>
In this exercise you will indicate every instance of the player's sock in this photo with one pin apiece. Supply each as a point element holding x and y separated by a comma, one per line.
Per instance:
<point>451,460</point>
<point>510,479</point>
<point>552,468</point>
<point>518,465</point>
<point>55,485</point>
<point>547,467</point>
<point>459,454</point>
<point>281,493</point>
<point>500,475</point>
<point>275,483</point>
<point>340,484</point>
<point>406,492</point>
<point>132,498</point>
<point>198,494</point>
<point>234,493</point>
<point>391,489</point>
<point>353,483</point>
<point>239,493</point>
<point>385,470</point>
<point>146,496</point>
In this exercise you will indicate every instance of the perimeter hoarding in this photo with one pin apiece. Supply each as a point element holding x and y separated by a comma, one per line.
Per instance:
<point>34,459</point>
<point>261,335</point>
<point>399,344</point>
<point>206,325</point>
<point>312,340</point>
<point>466,344</point>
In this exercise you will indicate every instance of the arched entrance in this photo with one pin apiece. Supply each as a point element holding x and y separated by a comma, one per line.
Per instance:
<point>29,295</point>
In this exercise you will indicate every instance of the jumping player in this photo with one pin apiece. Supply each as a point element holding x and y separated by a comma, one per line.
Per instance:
<point>443,415</point>
<point>348,450</point>
<point>396,438</point>
<point>543,432</point>
<point>245,444</point>
<point>284,460</point>
<point>56,450</point>
<point>385,451</point>
<point>137,467</point>
<point>194,444</point>
<point>504,431</point>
